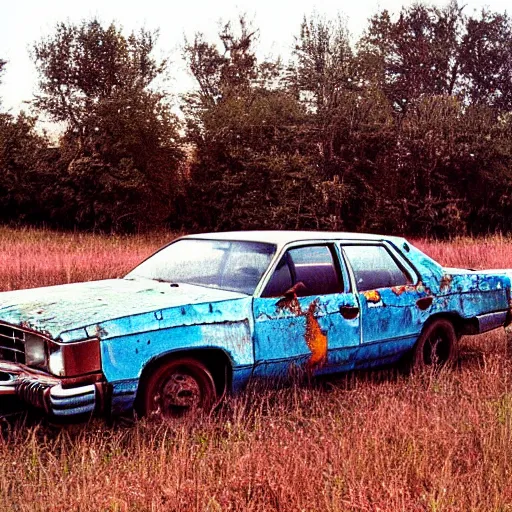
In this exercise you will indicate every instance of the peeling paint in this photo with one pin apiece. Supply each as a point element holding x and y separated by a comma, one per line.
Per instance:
<point>372,296</point>
<point>446,282</point>
<point>315,338</point>
<point>398,290</point>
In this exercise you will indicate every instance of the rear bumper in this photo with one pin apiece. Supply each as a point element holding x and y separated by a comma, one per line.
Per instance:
<point>58,397</point>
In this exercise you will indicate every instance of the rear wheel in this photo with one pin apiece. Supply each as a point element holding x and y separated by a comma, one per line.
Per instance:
<point>178,389</point>
<point>436,347</point>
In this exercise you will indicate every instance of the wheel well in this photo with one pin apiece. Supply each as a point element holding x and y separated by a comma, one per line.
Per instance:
<point>461,325</point>
<point>216,360</point>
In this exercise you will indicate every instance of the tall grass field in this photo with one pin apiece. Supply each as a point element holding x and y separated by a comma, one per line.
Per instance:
<point>374,441</point>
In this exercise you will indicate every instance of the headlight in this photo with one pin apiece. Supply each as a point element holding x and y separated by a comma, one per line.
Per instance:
<point>56,361</point>
<point>74,359</point>
<point>35,350</point>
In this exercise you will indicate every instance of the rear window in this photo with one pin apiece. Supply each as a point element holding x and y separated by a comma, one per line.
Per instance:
<point>374,267</point>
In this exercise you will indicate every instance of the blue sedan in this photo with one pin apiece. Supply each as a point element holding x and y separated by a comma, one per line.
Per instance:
<point>208,312</point>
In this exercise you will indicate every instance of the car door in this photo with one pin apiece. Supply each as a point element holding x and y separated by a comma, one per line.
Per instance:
<point>393,300</point>
<point>307,316</point>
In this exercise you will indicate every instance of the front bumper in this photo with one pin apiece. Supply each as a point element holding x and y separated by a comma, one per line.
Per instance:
<point>58,397</point>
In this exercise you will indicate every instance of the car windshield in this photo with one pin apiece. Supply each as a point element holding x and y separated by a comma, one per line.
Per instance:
<point>228,265</point>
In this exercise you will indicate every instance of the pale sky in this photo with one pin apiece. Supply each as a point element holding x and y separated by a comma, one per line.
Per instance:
<point>24,21</point>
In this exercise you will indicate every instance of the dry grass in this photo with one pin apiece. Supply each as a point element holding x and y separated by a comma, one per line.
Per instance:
<point>364,442</point>
<point>30,257</point>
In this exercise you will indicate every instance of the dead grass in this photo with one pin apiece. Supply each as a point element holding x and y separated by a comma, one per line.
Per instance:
<point>365,442</point>
<point>30,257</point>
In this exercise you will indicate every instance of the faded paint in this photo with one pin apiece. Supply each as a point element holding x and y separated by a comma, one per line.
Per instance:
<point>80,309</point>
<point>138,321</point>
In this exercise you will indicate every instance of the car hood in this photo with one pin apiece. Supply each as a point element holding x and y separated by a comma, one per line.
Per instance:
<point>54,310</point>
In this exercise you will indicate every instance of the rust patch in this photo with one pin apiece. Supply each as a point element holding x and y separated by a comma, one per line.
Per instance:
<point>419,288</point>
<point>372,296</point>
<point>398,290</point>
<point>290,304</point>
<point>100,331</point>
<point>315,338</point>
<point>446,282</point>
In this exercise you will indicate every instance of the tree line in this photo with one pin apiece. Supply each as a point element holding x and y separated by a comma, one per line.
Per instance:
<point>407,130</point>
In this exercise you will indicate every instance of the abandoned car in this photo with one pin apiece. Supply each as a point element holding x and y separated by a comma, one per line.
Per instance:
<point>208,312</point>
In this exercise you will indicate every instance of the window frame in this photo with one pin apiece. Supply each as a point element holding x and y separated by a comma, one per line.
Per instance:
<point>344,282</point>
<point>403,264</point>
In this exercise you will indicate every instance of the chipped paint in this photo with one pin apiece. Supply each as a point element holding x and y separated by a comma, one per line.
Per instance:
<point>372,296</point>
<point>139,321</point>
<point>446,282</point>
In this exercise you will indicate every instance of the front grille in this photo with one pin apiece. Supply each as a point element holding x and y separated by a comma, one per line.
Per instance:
<point>12,344</point>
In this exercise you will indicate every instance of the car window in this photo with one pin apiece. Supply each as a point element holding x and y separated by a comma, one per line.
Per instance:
<point>313,266</point>
<point>224,264</point>
<point>374,267</point>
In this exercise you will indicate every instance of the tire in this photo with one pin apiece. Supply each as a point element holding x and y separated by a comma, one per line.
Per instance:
<point>436,347</point>
<point>178,389</point>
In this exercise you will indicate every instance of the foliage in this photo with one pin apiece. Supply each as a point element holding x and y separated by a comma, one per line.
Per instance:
<point>24,160</point>
<point>253,165</point>
<point>407,130</point>
<point>119,151</point>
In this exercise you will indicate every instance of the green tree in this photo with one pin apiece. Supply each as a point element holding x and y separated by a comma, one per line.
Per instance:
<point>323,62</point>
<point>253,165</point>
<point>351,123</point>
<point>486,60</point>
<point>416,54</point>
<point>120,146</point>
<point>23,159</point>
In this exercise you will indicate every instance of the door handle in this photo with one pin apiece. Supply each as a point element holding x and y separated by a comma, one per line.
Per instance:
<point>349,312</point>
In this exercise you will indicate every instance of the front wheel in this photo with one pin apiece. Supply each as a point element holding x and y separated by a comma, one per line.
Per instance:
<point>178,389</point>
<point>436,347</point>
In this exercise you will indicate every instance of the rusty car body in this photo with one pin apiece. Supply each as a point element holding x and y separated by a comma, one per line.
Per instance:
<point>208,312</point>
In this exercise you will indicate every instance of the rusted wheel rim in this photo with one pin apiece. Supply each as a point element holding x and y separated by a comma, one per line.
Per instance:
<point>178,395</point>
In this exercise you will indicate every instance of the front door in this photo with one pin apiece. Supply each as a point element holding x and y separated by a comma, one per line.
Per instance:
<point>307,316</point>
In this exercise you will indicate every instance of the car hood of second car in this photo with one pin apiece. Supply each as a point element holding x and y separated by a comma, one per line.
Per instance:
<point>56,309</point>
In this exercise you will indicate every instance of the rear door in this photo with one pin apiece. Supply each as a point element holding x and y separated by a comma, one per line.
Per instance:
<point>394,302</point>
<point>307,314</point>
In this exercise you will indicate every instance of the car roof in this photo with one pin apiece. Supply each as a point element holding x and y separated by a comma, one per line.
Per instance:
<point>281,238</point>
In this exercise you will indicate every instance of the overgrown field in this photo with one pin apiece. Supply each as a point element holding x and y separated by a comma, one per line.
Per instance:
<point>364,442</point>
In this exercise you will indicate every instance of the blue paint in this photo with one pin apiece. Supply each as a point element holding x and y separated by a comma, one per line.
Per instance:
<point>139,321</point>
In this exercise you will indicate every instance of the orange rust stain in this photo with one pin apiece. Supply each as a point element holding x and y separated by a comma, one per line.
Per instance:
<point>372,296</point>
<point>398,290</point>
<point>446,282</point>
<point>291,304</point>
<point>315,338</point>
